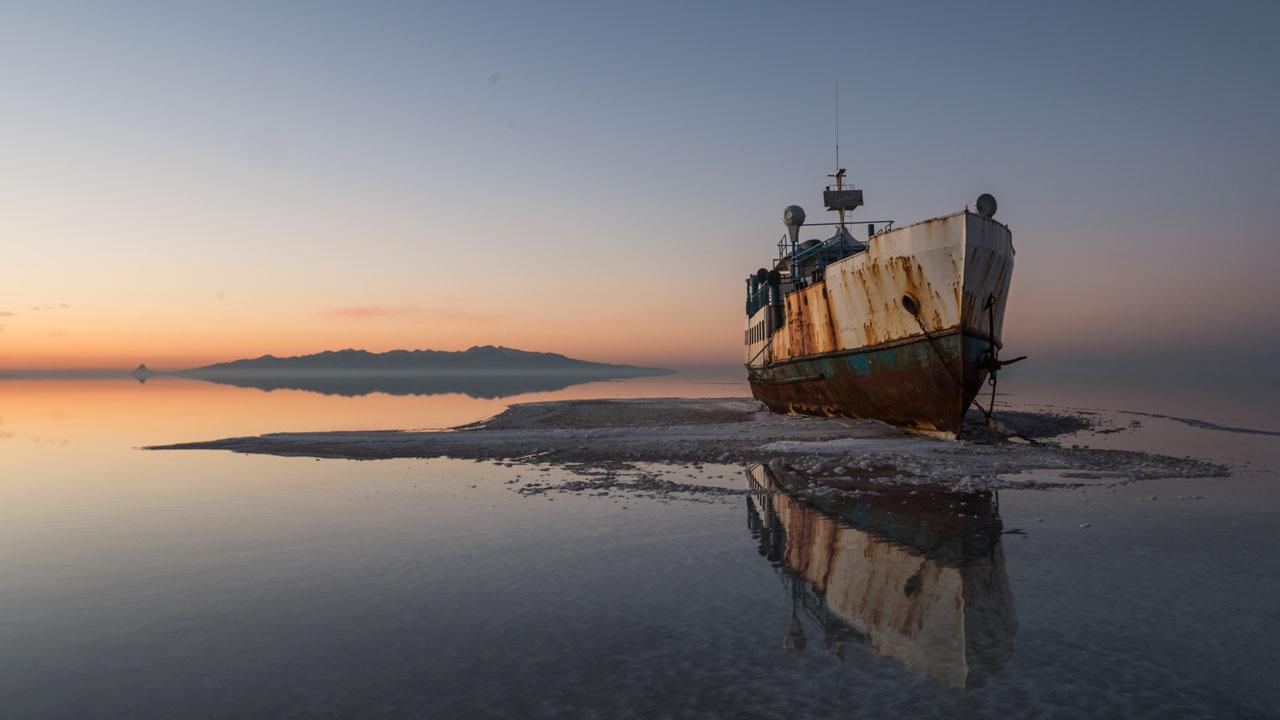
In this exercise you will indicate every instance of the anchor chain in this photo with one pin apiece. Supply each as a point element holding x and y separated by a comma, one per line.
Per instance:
<point>990,361</point>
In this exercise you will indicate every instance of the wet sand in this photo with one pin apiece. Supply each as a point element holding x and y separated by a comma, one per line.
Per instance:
<point>605,438</point>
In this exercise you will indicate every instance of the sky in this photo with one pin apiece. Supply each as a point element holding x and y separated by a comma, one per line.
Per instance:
<point>183,183</point>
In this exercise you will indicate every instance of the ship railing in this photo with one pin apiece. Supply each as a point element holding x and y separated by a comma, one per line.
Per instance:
<point>811,261</point>
<point>786,248</point>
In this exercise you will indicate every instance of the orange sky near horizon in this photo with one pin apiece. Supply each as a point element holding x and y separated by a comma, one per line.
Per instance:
<point>691,319</point>
<point>72,302</point>
<point>98,327</point>
<point>67,339</point>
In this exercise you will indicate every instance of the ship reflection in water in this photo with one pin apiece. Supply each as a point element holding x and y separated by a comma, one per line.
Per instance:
<point>915,575</point>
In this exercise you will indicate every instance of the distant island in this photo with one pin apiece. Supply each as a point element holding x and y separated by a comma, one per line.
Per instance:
<point>486,371</point>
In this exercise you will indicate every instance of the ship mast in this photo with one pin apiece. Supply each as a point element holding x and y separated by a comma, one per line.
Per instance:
<point>839,175</point>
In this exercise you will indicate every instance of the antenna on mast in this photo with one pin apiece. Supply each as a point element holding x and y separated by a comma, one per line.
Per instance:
<point>839,199</point>
<point>839,174</point>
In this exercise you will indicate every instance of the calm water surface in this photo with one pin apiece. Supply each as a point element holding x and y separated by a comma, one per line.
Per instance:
<point>136,584</point>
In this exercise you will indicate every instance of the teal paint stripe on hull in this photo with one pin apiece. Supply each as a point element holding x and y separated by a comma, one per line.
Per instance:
<point>924,384</point>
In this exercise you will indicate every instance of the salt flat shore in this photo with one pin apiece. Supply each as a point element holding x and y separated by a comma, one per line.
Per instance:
<point>1031,449</point>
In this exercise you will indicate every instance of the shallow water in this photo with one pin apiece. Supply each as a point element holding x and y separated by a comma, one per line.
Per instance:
<point>140,584</point>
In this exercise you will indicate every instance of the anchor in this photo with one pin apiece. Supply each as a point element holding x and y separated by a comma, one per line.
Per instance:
<point>992,363</point>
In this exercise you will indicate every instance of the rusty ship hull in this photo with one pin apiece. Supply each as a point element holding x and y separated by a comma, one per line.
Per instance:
<point>912,384</point>
<point>904,330</point>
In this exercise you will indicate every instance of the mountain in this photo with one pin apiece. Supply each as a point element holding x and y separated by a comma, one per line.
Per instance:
<point>485,371</point>
<point>477,360</point>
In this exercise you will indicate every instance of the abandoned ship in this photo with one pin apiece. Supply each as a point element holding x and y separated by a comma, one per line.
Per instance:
<point>903,327</point>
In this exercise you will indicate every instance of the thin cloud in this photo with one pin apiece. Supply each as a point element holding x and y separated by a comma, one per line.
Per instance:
<point>5,313</point>
<point>365,312</point>
<point>383,312</point>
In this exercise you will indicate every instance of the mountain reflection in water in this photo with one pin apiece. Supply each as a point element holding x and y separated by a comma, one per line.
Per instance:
<point>915,575</point>
<point>484,385</point>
